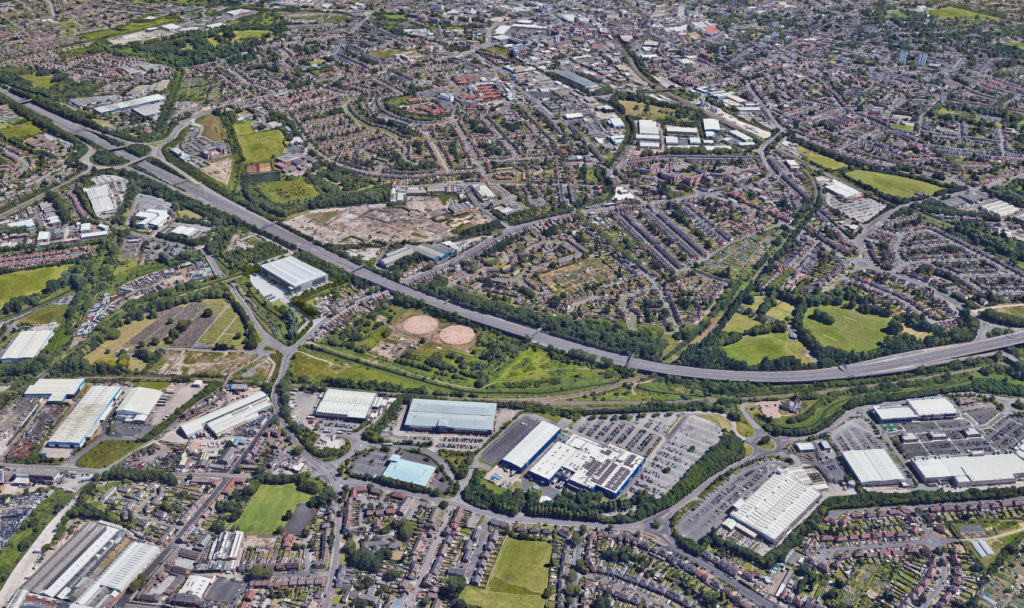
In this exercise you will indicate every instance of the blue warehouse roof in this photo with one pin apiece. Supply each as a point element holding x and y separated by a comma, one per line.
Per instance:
<point>409,472</point>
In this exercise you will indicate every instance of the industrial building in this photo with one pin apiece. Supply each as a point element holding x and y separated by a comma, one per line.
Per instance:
<point>577,81</point>
<point>27,344</point>
<point>441,416</point>
<point>648,130</point>
<point>873,467</point>
<point>776,506</point>
<point>966,471</point>
<point>151,218</point>
<point>712,127</point>
<point>347,405</point>
<point>55,389</point>
<point>434,252</point>
<point>536,441</point>
<point>105,194</point>
<point>408,471</point>
<point>92,569</point>
<point>843,191</point>
<point>294,275</point>
<point>138,404</point>
<point>930,408</point>
<point>227,549</point>
<point>127,104</point>
<point>227,417</point>
<point>85,417</point>
<point>587,465</point>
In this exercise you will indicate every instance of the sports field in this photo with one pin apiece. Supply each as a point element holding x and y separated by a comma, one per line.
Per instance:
<point>752,349</point>
<point>894,185</point>
<point>263,514</point>
<point>27,282</point>
<point>780,311</point>
<point>952,12</point>
<point>287,191</point>
<point>740,323</point>
<point>821,160</point>
<point>519,577</point>
<point>259,147</point>
<point>18,131</point>
<point>246,34</point>
<point>852,330</point>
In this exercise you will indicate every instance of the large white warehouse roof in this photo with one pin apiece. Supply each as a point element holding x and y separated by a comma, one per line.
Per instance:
<point>294,273</point>
<point>233,414</point>
<point>873,467</point>
<point>55,389</point>
<point>778,504</point>
<point>27,344</point>
<point>85,418</point>
<point>527,449</point>
<point>339,403</point>
<point>986,469</point>
<point>138,403</point>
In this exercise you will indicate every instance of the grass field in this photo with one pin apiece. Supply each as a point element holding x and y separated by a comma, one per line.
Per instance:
<point>519,577</point>
<point>535,368</point>
<point>127,28</point>
<point>213,128</point>
<point>902,127</point>
<point>106,453</point>
<point>264,512</point>
<point>852,330</point>
<point>18,131</point>
<point>821,160</point>
<point>226,325</point>
<point>259,147</point>
<point>752,349</point>
<point>246,34</point>
<point>27,282</point>
<point>128,332</point>
<point>951,12</point>
<point>43,316</point>
<point>780,311</point>
<point>39,82</point>
<point>294,189</point>
<point>740,323</point>
<point>639,110</point>
<point>894,185</point>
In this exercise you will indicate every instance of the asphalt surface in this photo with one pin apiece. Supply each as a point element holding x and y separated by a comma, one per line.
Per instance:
<point>873,367</point>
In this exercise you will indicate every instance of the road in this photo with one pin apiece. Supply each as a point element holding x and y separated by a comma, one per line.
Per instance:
<point>874,367</point>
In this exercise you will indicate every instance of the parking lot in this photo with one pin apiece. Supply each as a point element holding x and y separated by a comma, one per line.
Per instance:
<point>713,508</point>
<point>856,434</point>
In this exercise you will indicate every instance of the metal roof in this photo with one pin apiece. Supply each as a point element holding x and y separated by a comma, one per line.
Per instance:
<point>139,401</point>
<point>527,449</point>
<point>349,404</point>
<point>55,389</point>
<point>85,418</point>
<point>473,416</point>
<point>409,471</point>
<point>777,505</point>
<point>873,466</point>
<point>294,272</point>
<point>27,344</point>
<point>196,425</point>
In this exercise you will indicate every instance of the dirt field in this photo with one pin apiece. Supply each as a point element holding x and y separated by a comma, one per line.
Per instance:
<point>420,325</point>
<point>379,223</point>
<point>219,363</point>
<point>219,170</point>
<point>457,335</point>
<point>770,408</point>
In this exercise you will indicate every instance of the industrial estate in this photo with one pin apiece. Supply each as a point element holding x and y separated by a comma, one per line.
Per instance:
<point>393,304</point>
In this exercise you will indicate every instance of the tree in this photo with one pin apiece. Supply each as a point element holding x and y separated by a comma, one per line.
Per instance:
<point>260,572</point>
<point>207,312</point>
<point>451,588</point>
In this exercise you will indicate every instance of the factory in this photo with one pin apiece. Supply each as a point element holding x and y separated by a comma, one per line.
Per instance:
<point>140,103</point>
<point>930,408</point>
<point>227,417</point>
<point>105,194</point>
<point>227,549</point>
<point>408,471</point>
<point>85,417</point>
<point>91,570</point>
<point>294,275</point>
<point>967,471</point>
<point>440,416</point>
<point>138,404</point>
<point>342,404</point>
<point>434,252</point>
<point>27,344</point>
<point>711,127</point>
<point>55,389</point>
<point>151,219</point>
<point>531,446</point>
<point>648,134</point>
<point>776,506</point>
<point>873,467</point>
<point>843,191</point>
<point>586,465</point>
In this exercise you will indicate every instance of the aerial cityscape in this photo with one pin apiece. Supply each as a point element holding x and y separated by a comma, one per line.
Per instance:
<point>511,304</point>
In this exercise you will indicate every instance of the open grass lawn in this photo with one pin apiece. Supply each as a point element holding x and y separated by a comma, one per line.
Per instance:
<point>752,349</point>
<point>318,366</point>
<point>43,316</point>
<point>852,330</point>
<point>226,325</point>
<point>264,512</point>
<point>894,185</point>
<point>27,282</point>
<point>740,323</point>
<point>780,311</point>
<point>247,34</point>
<point>640,110</point>
<point>127,28</point>
<point>259,147</point>
<point>821,160</point>
<point>901,127</point>
<point>952,12</point>
<point>39,82</point>
<point>128,332</point>
<point>519,577</point>
<point>287,191</point>
<point>107,453</point>
<point>18,131</point>
<point>533,369</point>
<point>213,128</point>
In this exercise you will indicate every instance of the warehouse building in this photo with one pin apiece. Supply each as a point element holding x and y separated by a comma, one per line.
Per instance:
<point>776,506</point>
<point>711,127</point>
<point>55,389</point>
<point>930,408</point>
<point>530,447</point>
<point>586,465</point>
<point>843,191</point>
<point>227,417</point>
<point>294,275</point>
<point>873,467</point>
<point>967,471</point>
<point>92,569</point>
<point>441,416</point>
<point>27,344</point>
<point>85,418</point>
<point>348,405</point>
<point>407,471</point>
<point>138,404</point>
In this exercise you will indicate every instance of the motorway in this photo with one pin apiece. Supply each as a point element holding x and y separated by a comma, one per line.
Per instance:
<point>874,367</point>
